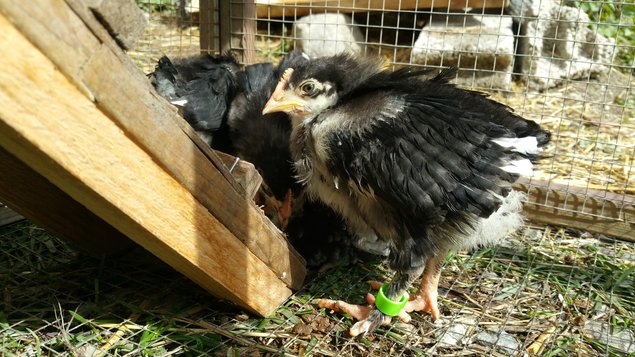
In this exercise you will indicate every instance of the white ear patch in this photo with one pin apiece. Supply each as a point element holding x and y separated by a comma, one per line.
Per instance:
<point>325,100</point>
<point>526,145</point>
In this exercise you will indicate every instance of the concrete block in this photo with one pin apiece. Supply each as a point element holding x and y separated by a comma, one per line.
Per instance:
<point>327,34</point>
<point>481,46</point>
<point>560,47</point>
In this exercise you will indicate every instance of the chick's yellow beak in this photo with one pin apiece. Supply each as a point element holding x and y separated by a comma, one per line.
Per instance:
<point>278,101</point>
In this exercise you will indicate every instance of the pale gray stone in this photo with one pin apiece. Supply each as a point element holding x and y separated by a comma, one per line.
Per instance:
<point>327,34</point>
<point>481,46</point>
<point>457,333</point>
<point>498,338</point>
<point>560,46</point>
<point>623,340</point>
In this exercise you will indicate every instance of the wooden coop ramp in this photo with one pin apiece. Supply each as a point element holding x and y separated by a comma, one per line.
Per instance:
<point>279,8</point>
<point>97,149</point>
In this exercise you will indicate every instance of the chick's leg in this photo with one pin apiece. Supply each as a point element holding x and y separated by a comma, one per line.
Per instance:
<point>396,289</point>
<point>369,317</point>
<point>408,261</point>
<point>426,297</point>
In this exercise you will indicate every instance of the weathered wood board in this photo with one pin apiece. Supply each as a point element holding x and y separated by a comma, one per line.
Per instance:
<point>123,19</point>
<point>579,208</point>
<point>78,112</point>
<point>37,199</point>
<point>279,8</point>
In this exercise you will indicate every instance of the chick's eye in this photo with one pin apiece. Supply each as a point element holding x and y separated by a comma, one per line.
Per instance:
<point>309,88</point>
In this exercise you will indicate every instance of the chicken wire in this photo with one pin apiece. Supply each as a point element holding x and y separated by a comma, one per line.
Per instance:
<point>576,78</point>
<point>587,102</point>
<point>543,292</point>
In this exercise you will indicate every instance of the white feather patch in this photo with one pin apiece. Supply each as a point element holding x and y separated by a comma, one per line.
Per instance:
<point>372,244</point>
<point>521,167</point>
<point>526,145</point>
<point>179,103</point>
<point>504,221</point>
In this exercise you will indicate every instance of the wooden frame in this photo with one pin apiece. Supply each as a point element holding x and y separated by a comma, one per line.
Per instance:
<point>48,206</point>
<point>8,216</point>
<point>279,8</point>
<point>76,111</point>
<point>207,26</point>
<point>588,210</point>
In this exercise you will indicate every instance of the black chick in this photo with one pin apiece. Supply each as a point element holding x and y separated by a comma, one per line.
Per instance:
<point>317,232</point>
<point>203,87</point>
<point>263,139</point>
<point>423,165</point>
<point>320,235</point>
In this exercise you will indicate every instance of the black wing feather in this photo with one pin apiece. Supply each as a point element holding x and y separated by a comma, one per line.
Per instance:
<point>435,156</point>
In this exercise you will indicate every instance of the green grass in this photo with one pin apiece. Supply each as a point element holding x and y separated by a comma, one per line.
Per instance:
<point>615,20</point>
<point>57,301</point>
<point>157,5</point>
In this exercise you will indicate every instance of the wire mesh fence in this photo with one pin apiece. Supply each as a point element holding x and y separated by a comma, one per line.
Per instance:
<point>547,292</point>
<point>567,65</point>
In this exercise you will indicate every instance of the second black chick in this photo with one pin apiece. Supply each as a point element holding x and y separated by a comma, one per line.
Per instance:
<point>320,235</point>
<point>263,140</point>
<point>202,87</point>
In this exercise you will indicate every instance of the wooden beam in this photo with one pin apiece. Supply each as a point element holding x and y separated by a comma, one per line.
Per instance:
<point>244,172</point>
<point>248,42</point>
<point>8,216</point>
<point>47,122</point>
<point>43,203</point>
<point>225,26</point>
<point>123,19</point>
<point>77,44</point>
<point>296,8</point>
<point>238,33</point>
<point>207,26</point>
<point>580,208</point>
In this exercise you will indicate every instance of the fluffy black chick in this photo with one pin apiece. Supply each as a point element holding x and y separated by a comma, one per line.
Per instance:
<point>317,232</point>
<point>263,139</point>
<point>419,163</point>
<point>320,235</point>
<point>203,87</point>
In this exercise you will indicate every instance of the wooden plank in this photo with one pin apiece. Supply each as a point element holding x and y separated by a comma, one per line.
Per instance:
<point>8,216</point>
<point>185,161</point>
<point>238,33</point>
<point>151,122</point>
<point>123,19</point>
<point>244,172</point>
<point>248,19</point>
<point>579,208</point>
<point>225,26</point>
<point>296,8</point>
<point>65,137</point>
<point>44,204</point>
<point>207,26</point>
